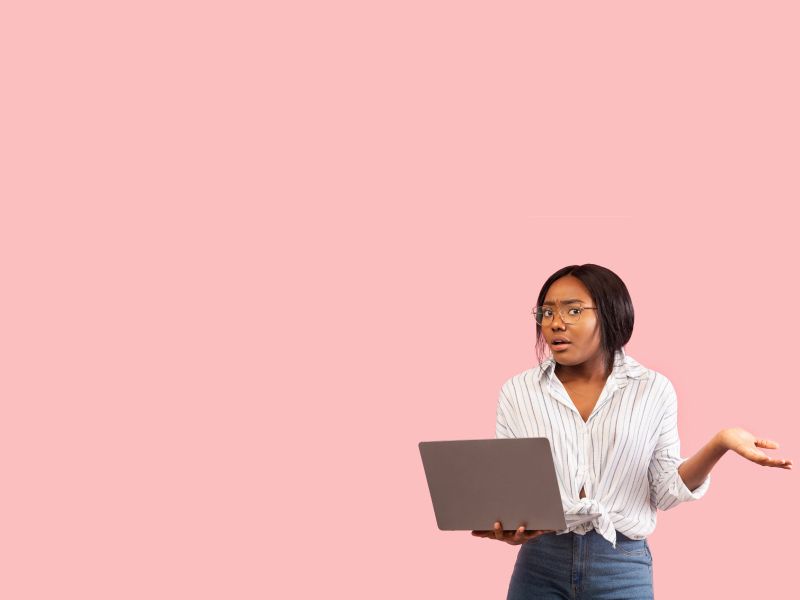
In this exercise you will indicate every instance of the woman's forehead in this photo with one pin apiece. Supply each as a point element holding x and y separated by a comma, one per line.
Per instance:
<point>566,290</point>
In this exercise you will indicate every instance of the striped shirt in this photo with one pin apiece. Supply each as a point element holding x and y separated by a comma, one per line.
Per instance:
<point>625,456</point>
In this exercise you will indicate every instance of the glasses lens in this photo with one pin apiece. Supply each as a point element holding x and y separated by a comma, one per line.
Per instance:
<point>543,315</point>
<point>569,314</point>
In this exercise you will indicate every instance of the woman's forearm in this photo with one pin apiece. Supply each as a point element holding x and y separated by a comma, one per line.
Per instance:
<point>695,469</point>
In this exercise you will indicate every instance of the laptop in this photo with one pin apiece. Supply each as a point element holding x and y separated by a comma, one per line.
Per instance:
<point>474,483</point>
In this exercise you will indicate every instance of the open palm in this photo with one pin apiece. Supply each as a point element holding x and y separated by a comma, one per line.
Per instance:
<point>745,443</point>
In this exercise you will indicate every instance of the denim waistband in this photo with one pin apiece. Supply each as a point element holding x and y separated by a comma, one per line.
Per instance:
<point>620,535</point>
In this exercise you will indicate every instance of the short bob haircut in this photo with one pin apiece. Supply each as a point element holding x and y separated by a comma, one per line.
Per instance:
<point>614,307</point>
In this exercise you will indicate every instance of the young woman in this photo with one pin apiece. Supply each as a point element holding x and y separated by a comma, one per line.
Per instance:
<point>612,426</point>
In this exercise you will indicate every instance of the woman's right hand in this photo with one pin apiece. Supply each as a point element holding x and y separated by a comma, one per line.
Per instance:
<point>515,537</point>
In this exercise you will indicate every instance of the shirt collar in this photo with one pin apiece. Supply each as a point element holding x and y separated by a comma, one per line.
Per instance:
<point>625,367</point>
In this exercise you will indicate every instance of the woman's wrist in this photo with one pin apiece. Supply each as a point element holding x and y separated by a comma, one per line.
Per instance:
<point>722,441</point>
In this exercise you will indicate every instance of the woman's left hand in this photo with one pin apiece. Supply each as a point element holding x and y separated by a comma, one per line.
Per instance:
<point>749,446</point>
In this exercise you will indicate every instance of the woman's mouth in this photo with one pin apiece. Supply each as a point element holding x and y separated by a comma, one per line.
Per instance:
<point>560,346</point>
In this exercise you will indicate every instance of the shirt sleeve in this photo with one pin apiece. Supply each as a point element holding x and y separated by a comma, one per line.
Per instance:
<point>667,488</point>
<point>506,426</point>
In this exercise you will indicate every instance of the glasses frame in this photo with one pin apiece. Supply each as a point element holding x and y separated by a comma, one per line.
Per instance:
<point>561,314</point>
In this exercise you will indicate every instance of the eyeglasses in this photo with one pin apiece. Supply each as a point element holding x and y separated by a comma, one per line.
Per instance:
<point>544,314</point>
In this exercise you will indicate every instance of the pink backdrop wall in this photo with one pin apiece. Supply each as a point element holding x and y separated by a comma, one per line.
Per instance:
<point>253,253</point>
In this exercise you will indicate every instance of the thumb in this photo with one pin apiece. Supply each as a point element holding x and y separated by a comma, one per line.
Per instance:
<point>766,444</point>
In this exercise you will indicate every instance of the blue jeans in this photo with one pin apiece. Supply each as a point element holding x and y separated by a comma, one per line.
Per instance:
<point>582,567</point>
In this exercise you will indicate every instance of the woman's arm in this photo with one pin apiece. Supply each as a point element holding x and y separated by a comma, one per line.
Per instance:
<point>695,469</point>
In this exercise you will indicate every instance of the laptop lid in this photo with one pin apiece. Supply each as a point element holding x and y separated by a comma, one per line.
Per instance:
<point>474,483</point>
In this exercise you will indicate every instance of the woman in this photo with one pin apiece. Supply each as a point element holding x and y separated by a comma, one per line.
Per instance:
<point>612,426</point>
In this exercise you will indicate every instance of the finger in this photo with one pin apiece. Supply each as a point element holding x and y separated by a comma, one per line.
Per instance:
<point>519,534</point>
<point>762,443</point>
<point>768,461</point>
<point>498,530</point>
<point>755,455</point>
<point>481,533</point>
<point>771,462</point>
<point>528,533</point>
<point>538,532</point>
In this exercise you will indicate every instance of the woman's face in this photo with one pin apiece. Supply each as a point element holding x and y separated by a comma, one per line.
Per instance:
<point>584,336</point>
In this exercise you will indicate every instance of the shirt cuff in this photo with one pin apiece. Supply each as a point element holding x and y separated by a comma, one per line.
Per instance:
<point>683,493</point>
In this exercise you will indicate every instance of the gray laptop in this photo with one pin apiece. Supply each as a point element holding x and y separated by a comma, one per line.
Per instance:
<point>474,483</point>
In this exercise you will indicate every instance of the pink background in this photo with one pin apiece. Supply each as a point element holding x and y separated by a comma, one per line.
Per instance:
<point>253,253</point>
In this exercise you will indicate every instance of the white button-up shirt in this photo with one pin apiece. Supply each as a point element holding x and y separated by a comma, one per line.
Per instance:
<point>625,456</point>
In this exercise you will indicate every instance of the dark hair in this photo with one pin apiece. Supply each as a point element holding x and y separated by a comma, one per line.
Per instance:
<point>614,307</point>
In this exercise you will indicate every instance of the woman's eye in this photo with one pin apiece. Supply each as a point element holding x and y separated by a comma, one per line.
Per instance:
<point>575,313</point>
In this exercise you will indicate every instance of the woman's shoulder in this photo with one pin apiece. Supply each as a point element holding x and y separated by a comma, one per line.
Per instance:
<point>635,369</point>
<point>658,388</point>
<point>528,381</point>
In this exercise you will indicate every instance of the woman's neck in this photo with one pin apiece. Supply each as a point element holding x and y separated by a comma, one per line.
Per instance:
<point>588,373</point>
